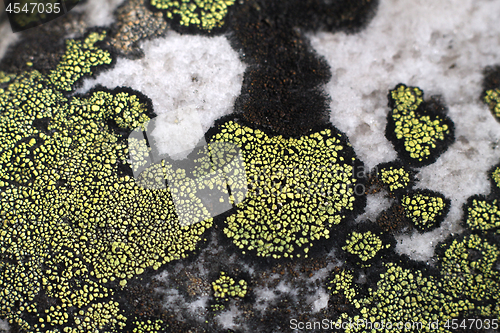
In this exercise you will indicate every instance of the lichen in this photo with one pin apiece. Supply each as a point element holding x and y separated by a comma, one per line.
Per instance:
<point>404,296</point>
<point>468,268</point>
<point>482,214</point>
<point>75,226</point>
<point>492,98</point>
<point>418,134</point>
<point>203,14</point>
<point>395,177</point>
<point>225,287</point>
<point>342,283</point>
<point>426,209</point>
<point>298,189</point>
<point>78,60</point>
<point>364,245</point>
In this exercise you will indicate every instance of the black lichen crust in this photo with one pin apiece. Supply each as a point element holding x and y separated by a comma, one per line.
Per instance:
<point>419,130</point>
<point>491,90</point>
<point>283,84</point>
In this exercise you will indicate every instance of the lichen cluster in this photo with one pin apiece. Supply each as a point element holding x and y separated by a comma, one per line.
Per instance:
<point>426,209</point>
<point>225,287</point>
<point>77,61</point>
<point>483,215</point>
<point>203,14</point>
<point>364,245</point>
<point>468,267</point>
<point>395,177</point>
<point>149,326</point>
<point>402,296</point>
<point>74,228</point>
<point>418,134</point>
<point>298,189</point>
<point>342,283</point>
<point>492,98</point>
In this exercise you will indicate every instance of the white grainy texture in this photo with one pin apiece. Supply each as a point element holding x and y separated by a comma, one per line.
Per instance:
<point>441,47</point>
<point>201,74</point>
<point>227,317</point>
<point>176,133</point>
<point>98,12</point>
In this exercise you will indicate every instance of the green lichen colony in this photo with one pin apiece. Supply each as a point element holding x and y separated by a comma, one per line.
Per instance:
<point>492,98</point>
<point>203,14</point>
<point>418,134</point>
<point>298,190</point>
<point>73,228</point>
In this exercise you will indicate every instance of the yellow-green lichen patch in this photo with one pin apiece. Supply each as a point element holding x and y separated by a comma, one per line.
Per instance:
<point>482,214</point>
<point>395,177</point>
<point>342,283</point>
<point>364,245</point>
<point>492,98</point>
<point>149,326</point>
<point>468,268</point>
<point>495,178</point>
<point>73,228</point>
<point>202,14</point>
<point>426,209</point>
<point>298,189</point>
<point>225,287</point>
<point>418,134</point>
<point>79,58</point>
<point>405,296</point>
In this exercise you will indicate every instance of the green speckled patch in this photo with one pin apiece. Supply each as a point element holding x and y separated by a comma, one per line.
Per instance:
<point>203,14</point>
<point>425,209</point>
<point>482,214</point>
<point>418,134</point>
<point>298,189</point>
<point>492,98</point>
<point>225,287</point>
<point>396,178</point>
<point>364,245</point>
<point>468,268</point>
<point>403,296</point>
<point>73,228</point>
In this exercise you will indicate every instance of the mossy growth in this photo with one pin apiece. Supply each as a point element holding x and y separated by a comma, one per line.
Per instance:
<point>395,176</point>
<point>202,14</point>
<point>482,214</point>
<point>226,287</point>
<point>298,189</point>
<point>74,227</point>
<point>467,265</point>
<point>404,296</point>
<point>419,130</point>
<point>426,209</point>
